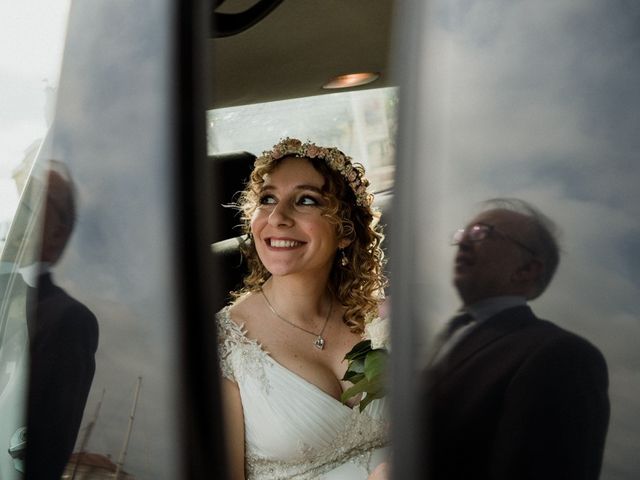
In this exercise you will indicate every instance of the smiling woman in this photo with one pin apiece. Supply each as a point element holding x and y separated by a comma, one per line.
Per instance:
<point>315,280</point>
<point>292,195</point>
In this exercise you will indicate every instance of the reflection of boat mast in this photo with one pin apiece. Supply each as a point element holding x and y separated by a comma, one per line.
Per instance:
<point>87,434</point>
<point>125,445</point>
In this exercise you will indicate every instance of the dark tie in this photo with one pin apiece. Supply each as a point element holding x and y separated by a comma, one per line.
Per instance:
<point>454,324</point>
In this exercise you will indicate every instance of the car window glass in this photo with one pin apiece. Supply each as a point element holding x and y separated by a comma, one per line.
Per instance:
<point>31,44</point>
<point>101,321</point>
<point>540,102</point>
<point>361,123</point>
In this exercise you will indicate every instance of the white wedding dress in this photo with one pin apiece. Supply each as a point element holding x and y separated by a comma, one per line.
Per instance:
<point>293,429</point>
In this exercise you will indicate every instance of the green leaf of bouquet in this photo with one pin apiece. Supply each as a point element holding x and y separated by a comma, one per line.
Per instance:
<point>359,350</point>
<point>358,388</point>
<point>376,386</point>
<point>375,364</point>
<point>356,366</point>
<point>368,399</point>
<point>365,401</point>
<point>353,377</point>
<point>379,391</point>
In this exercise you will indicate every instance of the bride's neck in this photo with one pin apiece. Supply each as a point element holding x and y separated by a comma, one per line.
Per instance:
<point>296,299</point>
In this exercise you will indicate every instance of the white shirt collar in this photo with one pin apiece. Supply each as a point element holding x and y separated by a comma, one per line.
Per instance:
<point>488,307</point>
<point>30,273</point>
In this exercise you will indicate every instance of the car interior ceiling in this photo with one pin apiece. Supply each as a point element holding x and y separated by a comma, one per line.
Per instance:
<point>228,24</point>
<point>288,53</point>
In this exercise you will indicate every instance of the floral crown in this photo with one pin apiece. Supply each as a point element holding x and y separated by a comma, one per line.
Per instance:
<point>334,158</point>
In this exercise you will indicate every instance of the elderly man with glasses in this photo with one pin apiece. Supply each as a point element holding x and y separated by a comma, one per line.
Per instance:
<point>512,396</point>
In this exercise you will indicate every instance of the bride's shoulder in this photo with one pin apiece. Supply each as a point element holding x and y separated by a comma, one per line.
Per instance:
<point>238,354</point>
<point>243,308</point>
<point>233,318</point>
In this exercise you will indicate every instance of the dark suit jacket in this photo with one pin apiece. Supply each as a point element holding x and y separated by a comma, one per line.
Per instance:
<point>518,398</point>
<point>63,337</point>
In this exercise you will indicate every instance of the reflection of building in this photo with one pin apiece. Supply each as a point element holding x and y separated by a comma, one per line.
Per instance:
<point>92,466</point>
<point>20,175</point>
<point>4,229</point>
<point>374,125</point>
<point>21,172</point>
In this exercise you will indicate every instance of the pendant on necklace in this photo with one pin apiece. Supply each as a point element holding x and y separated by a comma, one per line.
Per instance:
<point>319,343</point>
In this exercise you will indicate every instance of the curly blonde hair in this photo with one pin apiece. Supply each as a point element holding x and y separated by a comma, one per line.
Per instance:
<point>358,285</point>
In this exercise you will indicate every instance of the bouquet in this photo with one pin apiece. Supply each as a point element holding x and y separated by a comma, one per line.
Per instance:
<point>368,364</point>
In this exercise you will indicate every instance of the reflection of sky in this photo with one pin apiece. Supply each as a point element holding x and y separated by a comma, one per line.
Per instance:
<point>110,128</point>
<point>31,39</point>
<point>540,100</point>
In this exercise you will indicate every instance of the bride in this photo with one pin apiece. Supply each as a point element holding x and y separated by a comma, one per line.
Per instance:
<point>315,276</point>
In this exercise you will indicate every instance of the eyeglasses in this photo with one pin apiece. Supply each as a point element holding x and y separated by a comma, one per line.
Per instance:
<point>480,231</point>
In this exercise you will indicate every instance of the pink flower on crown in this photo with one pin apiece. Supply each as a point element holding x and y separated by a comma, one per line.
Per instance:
<point>312,151</point>
<point>333,157</point>
<point>292,144</point>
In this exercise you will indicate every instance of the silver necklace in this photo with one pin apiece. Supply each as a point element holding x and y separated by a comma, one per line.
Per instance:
<point>319,341</point>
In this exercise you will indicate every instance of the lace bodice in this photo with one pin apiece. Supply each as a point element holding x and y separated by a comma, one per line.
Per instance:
<point>293,429</point>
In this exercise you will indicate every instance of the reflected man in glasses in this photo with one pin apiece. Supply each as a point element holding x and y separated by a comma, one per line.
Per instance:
<point>511,395</point>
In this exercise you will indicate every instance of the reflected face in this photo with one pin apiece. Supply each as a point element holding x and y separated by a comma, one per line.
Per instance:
<point>290,233</point>
<point>489,267</point>
<point>47,242</point>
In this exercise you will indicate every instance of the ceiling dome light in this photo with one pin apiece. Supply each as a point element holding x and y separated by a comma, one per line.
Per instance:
<point>351,80</point>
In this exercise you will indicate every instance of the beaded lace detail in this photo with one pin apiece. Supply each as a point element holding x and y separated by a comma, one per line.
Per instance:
<point>238,354</point>
<point>360,435</point>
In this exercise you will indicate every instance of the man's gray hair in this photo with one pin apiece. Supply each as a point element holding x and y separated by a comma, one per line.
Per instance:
<point>541,235</point>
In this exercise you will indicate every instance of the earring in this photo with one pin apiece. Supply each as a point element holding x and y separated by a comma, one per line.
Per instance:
<point>344,261</point>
